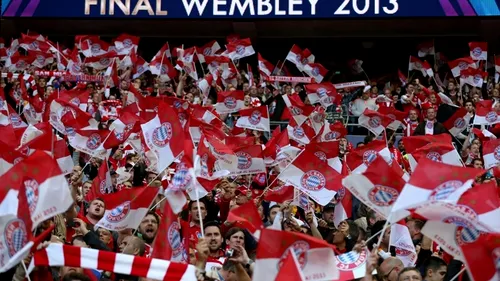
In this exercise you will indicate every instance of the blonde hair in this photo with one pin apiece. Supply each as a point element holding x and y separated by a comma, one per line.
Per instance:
<point>60,227</point>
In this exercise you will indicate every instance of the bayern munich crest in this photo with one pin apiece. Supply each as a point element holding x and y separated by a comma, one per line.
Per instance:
<point>434,156</point>
<point>321,155</point>
<point>32,194</point>
<point>295,110</point>
<point>119,213</point>
<point>102,187</point>
<point>477,52</point>
<point>34,45</point>
<point>491,116</point>
<point>374,122</point>
<point>255,117</point>
<point>40,60</point>
<point>463,65</point>
<point>351,260</point>
<point>21,64</point>
<point>15,236</point>
<point>443,191</point>
<point>321,92</point>
<point>95,48</point>
<point>313,180</point>
<point>477,78</point>
<point>177,104</point>
<point>315,71</point>
<point>340,194</point>
<point>70,131</point>
<point>300,249</point>
<point>17,160</point>
<point>496,153</point>
<point>403,252</point>
<point>319,117</point>
<point>369,156</point>
<point>15,120</point>
<point>459,123</point>
<point>207,51</point>
<point>298,58</point>
<point>240,50</point>
<point>162,135</point>
<point>383,196</point>
<point>94,141</point>
<point>465,232</point>
<point>298,132</point>
<point>418,65</point>
<point>2,103</point>
<point>244,160</point>
<point>230,102</point>
<point>181,178</point>
<point>332,135</point>
<point>174,239</point>
<point>127,43</point>
<point>75,101</point>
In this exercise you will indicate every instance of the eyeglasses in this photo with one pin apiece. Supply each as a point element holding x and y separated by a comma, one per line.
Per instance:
<point>389,273</point>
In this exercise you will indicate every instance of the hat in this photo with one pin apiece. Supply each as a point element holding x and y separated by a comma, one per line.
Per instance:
<point>329,206</point>
<point>367,88</point>
<point>241,189</point>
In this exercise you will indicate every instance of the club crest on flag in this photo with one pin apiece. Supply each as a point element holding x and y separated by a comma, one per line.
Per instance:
<point>465,232</point>
<point>255,117</point>
<point>477,78</point>
<point>402,252</point>
<point>321,155</point>
<point>40,59</point>
<point>383,196</point>
<point>244,160</point>
<point>181,178</point>
<point>230,102</point>
<point>76,68</point>
<point>299,248</point>
<point>459,123</point>
<point>67,109</point>
<point>25,151</point>
<point>75,101</point>
<point>182,116</point>
<point>104,61</point>
<point>162,135</point>
<point>17,160</point>
<point>31,194</point>
<point>321,92</point>
<point>369,156</point>
<point>95,48</point>
<point>418,65</point>
<point>491,116</point>
<point>313,180</point>
<point>15,236</point>
<point>119,213</point>
<point>463,65</point>
<point>298,58</point>
<point>69,131</point>
<point>204,165</point>
<point>34,45</point>
<point>333,135</point>
<point>94,141</point>
<point>140,69</point>
<point>434,156</point>
<point>340,194</point>
<point>318,117</point>
<point>445,189</point>
<point>295,110</point>
<point>351,260</point>
<point>127,43</point>
<point>163,68</point>
<point>298,132</point>
<point>374,122</point>
<point>102,187</point>
<point>207,51</point>
<point>2,102</point>
<point>187,69</point>
<point>240,50</point>
<point>476,52</point>
<point>174,239</point>
<point>315,71</point>
<point>15,120</point>
<point>20,64</point>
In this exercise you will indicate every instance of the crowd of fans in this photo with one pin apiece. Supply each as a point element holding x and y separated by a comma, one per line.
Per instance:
<point>226,250</point>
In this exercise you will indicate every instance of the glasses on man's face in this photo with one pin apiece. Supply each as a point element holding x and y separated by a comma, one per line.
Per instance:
<point>389,273</point>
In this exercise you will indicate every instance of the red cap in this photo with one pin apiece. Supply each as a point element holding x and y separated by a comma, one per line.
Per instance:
<point>241,189</point>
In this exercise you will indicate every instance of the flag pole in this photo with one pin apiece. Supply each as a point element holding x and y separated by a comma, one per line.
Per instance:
<point>409,62</point>
<point>458,274</point>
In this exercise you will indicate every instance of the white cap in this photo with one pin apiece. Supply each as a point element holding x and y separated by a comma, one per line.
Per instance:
<point>367,88</point>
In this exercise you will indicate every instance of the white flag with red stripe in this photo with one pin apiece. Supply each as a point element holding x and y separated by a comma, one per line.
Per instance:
<point>316,71</point>
<point>479,50</point>
<point>359,159</point>
<point>485,113</point>
<point>438,152</point>
<point>239,49</point>
<point>458,122</point>
<point>401,240</point>
<point>230,102</point>
<point>374,121</point>
<point>254,119</point>
<point>250,161</point>
<point>460,64</point>
<point>491,153</point>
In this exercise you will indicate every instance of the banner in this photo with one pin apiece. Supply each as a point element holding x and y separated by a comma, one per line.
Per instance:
<point>285,9</point>
<point>64,76</point>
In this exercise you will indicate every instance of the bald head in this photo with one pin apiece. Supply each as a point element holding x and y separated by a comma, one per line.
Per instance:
<point>133,245</point>
<point>390,268</point>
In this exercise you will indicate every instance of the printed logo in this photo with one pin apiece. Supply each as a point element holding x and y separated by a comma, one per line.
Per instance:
<point>174,239</point>
<point>162,68</point>
<point>230,102</point>
<point>476,52</point>
<point>188,69</point>
<point>255,117</point>
<point>162,135</point>
<point>15,120</point>
<point>298,132</point>
<point>34,45</point>
<point>465,232</point>
<point>32,191</point>
<point>300,249</point>
<point>119,213</point>
<point>75,101</point>
<point>374,122</point>
<point>321,155</point>
<point>459,123</point>
<point>383,196</point>
<point>17,160</point>
<point>491,116</point>
<point>182,116</point>
<point>351,260</point>
<point>177,104</point>
<point>434,156</point>
<point>181,178</point>
<point>240,50</point>
<point>94,141</point>
<point>204,164</point>
<point>244,160</point>
<point>369,156</point>
<point>127,43</point>
<point>477,78</point>
<point>298,58</point>
<point>333,135</point>
<point>2,103</point>
<point>496,153</point>
<point>313,180</point>
<point>104,61</point>
<point>40,59</point>
<point>321,92</point>
<point>207,51</point>
<point>70,131</point>
<point>318,117</point>
<point>95,48</point>
<point>15,236</point>
<point>315,71</point>
<point>463,65</point>
<point>443,191</point>
<point>340,194</point>
<point>295,111</point>
<point>21,64</point>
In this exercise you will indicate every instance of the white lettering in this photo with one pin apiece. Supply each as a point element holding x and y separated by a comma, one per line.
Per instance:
<point>218,3</point>
<point>159,11</point>
<point>363,10</point>
<point>242,7</point>
<point>260,6</point>
<point>143,5</point>
<point>89,3</point>
<point>199,6</point>
<point>313,6</point>
<point>277,11</point>
<point>342,9</point>
<point>124,7</point>
<point>291,10</point>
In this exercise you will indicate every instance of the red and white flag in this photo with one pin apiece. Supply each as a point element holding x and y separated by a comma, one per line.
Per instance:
<point>296,108</point>
<point>479,50</point>
<point>90,142</point>
<point>491,153</point>
<point>208,49</point>
<point>168,242</point>
<point>401,240</point>
<point>315,256</point>
<point>473,77</point>
<point>94,47</point>
<point>398,117</point>
<point>402,78</point>
<point>426,49</point>
<point>316,71</point>
<point>63,157</point>
<point>458,122</point>
<point>126,208</point>
<point>460,64</point>
<point>265,67</point>
<point>361,158</point>
<point>239,49</point>
<point>424,67</point>
<point>302,134</point>
<point>352,265</point>
<point>332,132</point>
<point>59,255</point>
<point>482,257</point>
<point>230,102</point>
<point>126,43</point>
<point>324,93</point>
<point>300,57</point>
<point>247,216</point>
<point>485,113</point>
<point>327,152</point>
<point>158,135</point>
<point>290,269</point>
<point>101,185</point>
<point>438,152</point>
<point>250,161</point>
<point>254,119</point>
<point>309,174</point>
<point>374,121</point>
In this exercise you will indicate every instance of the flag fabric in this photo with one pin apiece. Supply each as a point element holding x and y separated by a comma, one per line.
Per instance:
<point>208,49</point>
<point>327,152</point>
<point>239,49</point>
<point>402,78</point>
<point>361,158</point>
<point>485,114</point>
<point>460,64</point>
<point>126,208</point>
<point>332,132</point>
<point>398,117</point>
<point>491,153</point>
<point>352,265</point>
<point>296,108</point>
<point>473,77</point>
<point>479,50</point>
<point>482,257</point>
<point>458,122</point>
<point>254,119</point>
<point>438,152</point>
<point>300,57</point>
<point>102,184</point>
<point>374,121</point>
<point>290,269</point>
<point>423,67</point>
<point>315,256</point>
<point>308,173</point>
<point>426,49</point>
<point>229,102</point>
<point>316,71</point>
<point>90,142</point>
<point>324,93</point>
<point>58,255</point>
<point>413,143</point>
<point>168,242</point>
<point>302,134</point>
<point>250,161</point>
<point>248,216</point>
<point>265,67</point>
<point>400,239</point>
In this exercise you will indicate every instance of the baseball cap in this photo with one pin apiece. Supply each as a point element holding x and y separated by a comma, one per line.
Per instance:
<point>329,206</point>
<point>241,189</point>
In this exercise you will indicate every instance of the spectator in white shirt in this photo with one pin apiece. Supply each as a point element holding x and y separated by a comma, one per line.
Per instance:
<point>364,102</point>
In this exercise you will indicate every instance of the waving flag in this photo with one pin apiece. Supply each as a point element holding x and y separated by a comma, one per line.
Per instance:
<point>324,93</point>
<point>265,67</point>
<point>479,50</point>
<point>458,122</point>
<point>426,49</point>
<point>240,48</point>
<point>254,119</point>
<point>250,161</point>
<point>316,71</point>
<point>361,158</point>
<point>248,216</point>
<point>374,121</point>
<point>327,152</point>
<point>401,240</point>
<point>438,152</point>
<point>230,102</point>
<point>473,77</point>
<point>332,132</point>
<point>297,109</point>
<point>302,134</point>
<point>352,265</point>
<point>208,49</point>
<point>482,257</point>
<point>460,64</point>
<point>491,153</point>
<point>102,184</point>
<point>168,242</point>
<point>485,114</point>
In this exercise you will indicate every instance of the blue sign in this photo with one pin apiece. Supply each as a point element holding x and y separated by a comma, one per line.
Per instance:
<point>249,9</point>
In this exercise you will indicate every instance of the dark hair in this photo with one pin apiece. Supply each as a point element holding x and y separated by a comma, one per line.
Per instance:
<point>78,238</point>
<point>478,159</point>
<point>432,263</point>
<point>368,139</point>
<point>75,276</point>
<point>406,269</point>
<point>212,223</point>
<point>352,239</point>
<point>377,227</point>
<point>229,266</point>
<point>359,143</point>
<point>202,200</point>
<point>234,230</point>
<point>154,215</point>
<point>419,224</point>
<point>471,101</point>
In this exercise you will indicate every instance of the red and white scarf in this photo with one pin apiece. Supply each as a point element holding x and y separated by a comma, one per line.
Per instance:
<point>63,255</point>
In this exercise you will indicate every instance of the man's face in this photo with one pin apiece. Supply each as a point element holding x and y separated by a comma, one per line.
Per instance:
<point>237,239</point>
<point>328,215</point>
<point>412,228</point>
<point>96,209</point>
<point>194,211</point>
<point>478,164</point>
<point>411,275</point>
<point>126,246</point>
<point>272,214</point>
<point>437,275</point>
<point>469,107</point>
<point>104,235</point>
<point>214,238</point>
<point>151,177</point>
<point>431,114</point>
<point>86,187</point>
<point>149,227</point>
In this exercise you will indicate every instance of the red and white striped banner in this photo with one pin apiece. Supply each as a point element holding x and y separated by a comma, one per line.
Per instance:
<point>63,255</point>
<point>290,79</point>
<point>67,76</point>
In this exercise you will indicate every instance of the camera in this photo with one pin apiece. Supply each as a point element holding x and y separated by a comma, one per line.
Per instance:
<point>229,253</point>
